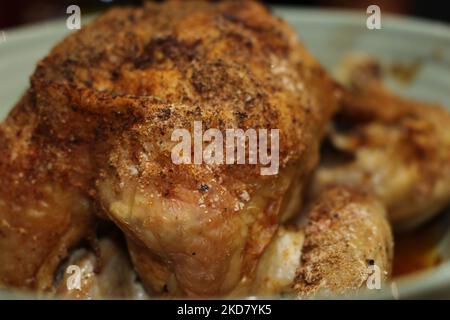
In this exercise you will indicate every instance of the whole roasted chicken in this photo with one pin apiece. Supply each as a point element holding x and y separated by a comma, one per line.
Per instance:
<point>92,139</point>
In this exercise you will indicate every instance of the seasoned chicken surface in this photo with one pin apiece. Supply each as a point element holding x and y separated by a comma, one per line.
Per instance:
<point>95,138</point>
<point>345,238</point>
<point>395,148</point>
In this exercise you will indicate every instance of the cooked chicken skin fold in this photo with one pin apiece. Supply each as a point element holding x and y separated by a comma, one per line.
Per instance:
<point>395,148</point>
<point>346,235</point>
<point>106,102</point>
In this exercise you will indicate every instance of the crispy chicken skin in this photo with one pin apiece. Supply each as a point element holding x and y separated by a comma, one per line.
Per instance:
<point>104,104</point>
<point>347,233</point>
<point>395,148</point>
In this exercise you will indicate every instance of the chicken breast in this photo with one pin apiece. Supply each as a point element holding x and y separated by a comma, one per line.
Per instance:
<point>395,148</point>
<point>106,102</point>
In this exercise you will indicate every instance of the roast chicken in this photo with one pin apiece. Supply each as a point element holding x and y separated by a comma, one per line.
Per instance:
<point>91,139</point>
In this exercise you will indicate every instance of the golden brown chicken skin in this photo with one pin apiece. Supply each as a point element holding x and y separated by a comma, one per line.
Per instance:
<point>395,148</point>
<point>109,97</point>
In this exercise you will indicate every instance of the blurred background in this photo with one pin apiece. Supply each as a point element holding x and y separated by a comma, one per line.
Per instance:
<point>19,12</point>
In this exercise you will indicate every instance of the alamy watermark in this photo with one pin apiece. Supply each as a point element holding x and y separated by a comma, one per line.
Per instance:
<point>73,22</point>
<point>236,146</point>
<point>373,22</point>
<point>74,279</point>
<point>373,277</point>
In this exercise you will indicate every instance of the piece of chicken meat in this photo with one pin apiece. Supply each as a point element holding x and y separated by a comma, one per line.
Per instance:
<point>395,148</point>
<point>345,245</point>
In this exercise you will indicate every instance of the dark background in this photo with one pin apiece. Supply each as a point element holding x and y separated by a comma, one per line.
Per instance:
<point>19,12</point>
